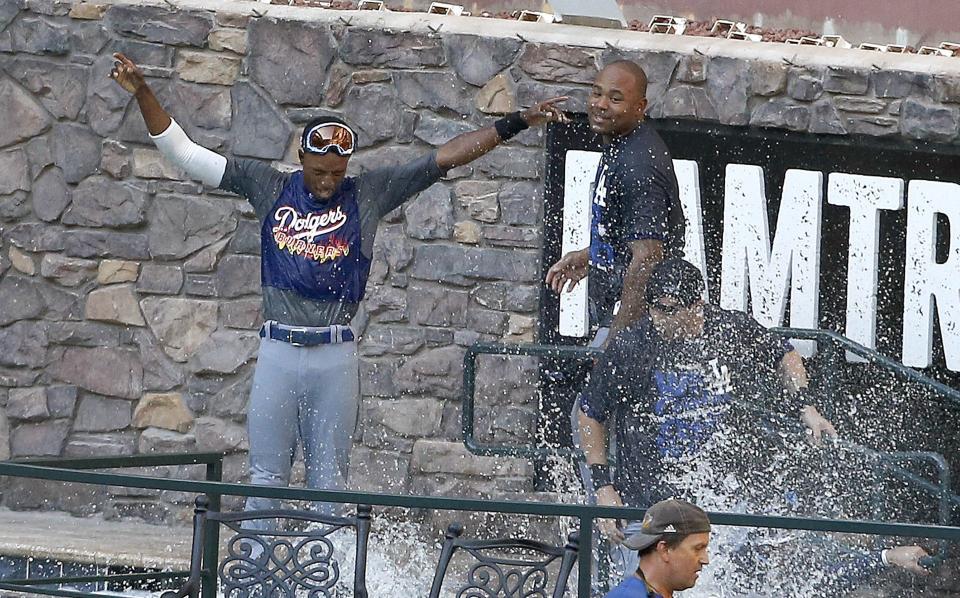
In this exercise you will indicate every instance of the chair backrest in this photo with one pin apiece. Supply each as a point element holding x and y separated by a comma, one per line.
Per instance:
<point>263,559</point>
<point>507,568</point>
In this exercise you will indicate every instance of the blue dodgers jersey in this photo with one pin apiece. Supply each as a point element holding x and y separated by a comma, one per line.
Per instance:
<point>313,248</point>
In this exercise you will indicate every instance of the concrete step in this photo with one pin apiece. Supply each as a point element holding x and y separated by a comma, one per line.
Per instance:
<point>93,540</point>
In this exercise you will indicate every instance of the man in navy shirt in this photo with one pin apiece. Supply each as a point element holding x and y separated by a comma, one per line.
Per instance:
<point>317,230</point>
<point>674,380</point>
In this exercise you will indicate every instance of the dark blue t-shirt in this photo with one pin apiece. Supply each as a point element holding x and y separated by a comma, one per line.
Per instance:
<point>671,398</point>
<point>635,198</point>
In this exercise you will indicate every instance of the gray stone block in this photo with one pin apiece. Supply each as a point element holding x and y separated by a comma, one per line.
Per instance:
<point>62,89</point>
<point>486,321</point>
<point>728,82</point>
<point>238,275</point>
<point>76,150</point>
<point>158,440</point>
<point>875,126</point>
<point>14,172</point>
<point>862,105</point>
<point>804,85</point>
<point>39,36</point>
<point>160,279</point>
<point>559,64</point>
<point>388,304</point>
<point>61,400</point>
<point>825,119</point>
<point>28,404</point>
<point>160,25</point>
<point>144,53</point>
<point>205,106</point>
<point>922,120</point>
<point>246,239</point>
<point>21,300</point>
<point>224,352</point>
<point>67,271</point>
<point>521,204</point>
<point>180,225</point>
<point>436,131</point>
<point>200,285</point>
<point>477,59</point>
<point>430,214</point>
<point>100,414</point>
<point>433,373</point>
<point>260,129</point>
<point>378,471</point>
<point>39,155</point>
<point>458,264</point>
<point>375,111</point>
<point>385,48</point>
<point>245,314</point>
<point>113,372</point>
<point>500,235</point>
<point>159,372</point>
<point>50,195</point>
<point>377,378</point>
<point>100,445</point>
<point>220,436</point>
<point>43,439</point>
<point>437,91</point>
<point>689,102</point>
<point>767,78</point>
<point>83,334</point>
<point>437,306</point>
<point>231,401</point>
<point>378,341</point>
<point>290,60</point>
<point>692,69</point>
<point>104,202</point>
<point>529,92</point>
<point>845,80</point>
<point>505,296</point>
<point>782,114</point>
<point>4,437</point>
<point>181,325</point>
<point>394,246</point>
<point>21,118</point>
<point>893,84</point>
<point>84,243</point>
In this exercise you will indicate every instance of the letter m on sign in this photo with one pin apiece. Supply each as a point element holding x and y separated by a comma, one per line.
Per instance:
<point>757,273</point>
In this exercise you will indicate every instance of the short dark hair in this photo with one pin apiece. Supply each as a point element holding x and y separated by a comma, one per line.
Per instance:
<point>636,71</point>
<point>672,540</point>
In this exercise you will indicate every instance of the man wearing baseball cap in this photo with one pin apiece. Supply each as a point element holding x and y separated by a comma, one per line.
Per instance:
<point>672,541</point>
<point>671,380</point>
<point>316,237</point>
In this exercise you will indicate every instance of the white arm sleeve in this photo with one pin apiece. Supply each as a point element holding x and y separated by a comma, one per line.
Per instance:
<point>197,161</point>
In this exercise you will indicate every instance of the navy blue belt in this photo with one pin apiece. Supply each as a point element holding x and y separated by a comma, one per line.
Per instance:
<point>307,337</point>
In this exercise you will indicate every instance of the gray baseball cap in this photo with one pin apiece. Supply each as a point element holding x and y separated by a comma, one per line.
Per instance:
<point>671,516</point>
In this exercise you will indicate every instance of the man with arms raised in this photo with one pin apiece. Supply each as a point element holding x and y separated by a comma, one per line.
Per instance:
<point>317,229</point>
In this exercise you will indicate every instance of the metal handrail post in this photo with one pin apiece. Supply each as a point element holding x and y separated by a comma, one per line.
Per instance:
<point>585,556</point>
<point>211,536</point>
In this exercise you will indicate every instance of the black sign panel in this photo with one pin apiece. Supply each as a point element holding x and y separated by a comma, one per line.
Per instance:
<point>713,147</point>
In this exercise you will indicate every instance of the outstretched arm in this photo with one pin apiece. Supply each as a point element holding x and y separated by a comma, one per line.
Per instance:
<point>129,77</point>
<point>198,162</point>
<point>794,376</point>
<point>467,147</point>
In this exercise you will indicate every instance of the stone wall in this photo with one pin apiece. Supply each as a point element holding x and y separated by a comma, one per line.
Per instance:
<point>129,296</point>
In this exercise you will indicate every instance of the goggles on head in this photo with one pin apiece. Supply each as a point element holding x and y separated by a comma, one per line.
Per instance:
<point>326,137</point>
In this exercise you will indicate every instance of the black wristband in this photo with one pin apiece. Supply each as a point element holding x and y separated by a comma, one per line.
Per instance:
<point>600,476</point>
<point>511,124</point>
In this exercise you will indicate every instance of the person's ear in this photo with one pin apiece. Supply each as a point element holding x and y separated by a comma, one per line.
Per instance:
<point>663,550</point>
<point>300,155</point>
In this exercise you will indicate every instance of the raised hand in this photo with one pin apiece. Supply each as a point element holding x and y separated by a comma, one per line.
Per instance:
<point>568,271</point>
<point>545,112</point>
<point>126,74</point>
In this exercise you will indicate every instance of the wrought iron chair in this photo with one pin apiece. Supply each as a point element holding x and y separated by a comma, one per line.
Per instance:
<point>507,568</point>
<point>275,563</point>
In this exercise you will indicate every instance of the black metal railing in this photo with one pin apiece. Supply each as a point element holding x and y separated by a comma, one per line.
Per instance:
<point>213,463</point>
<point>584,514</point>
